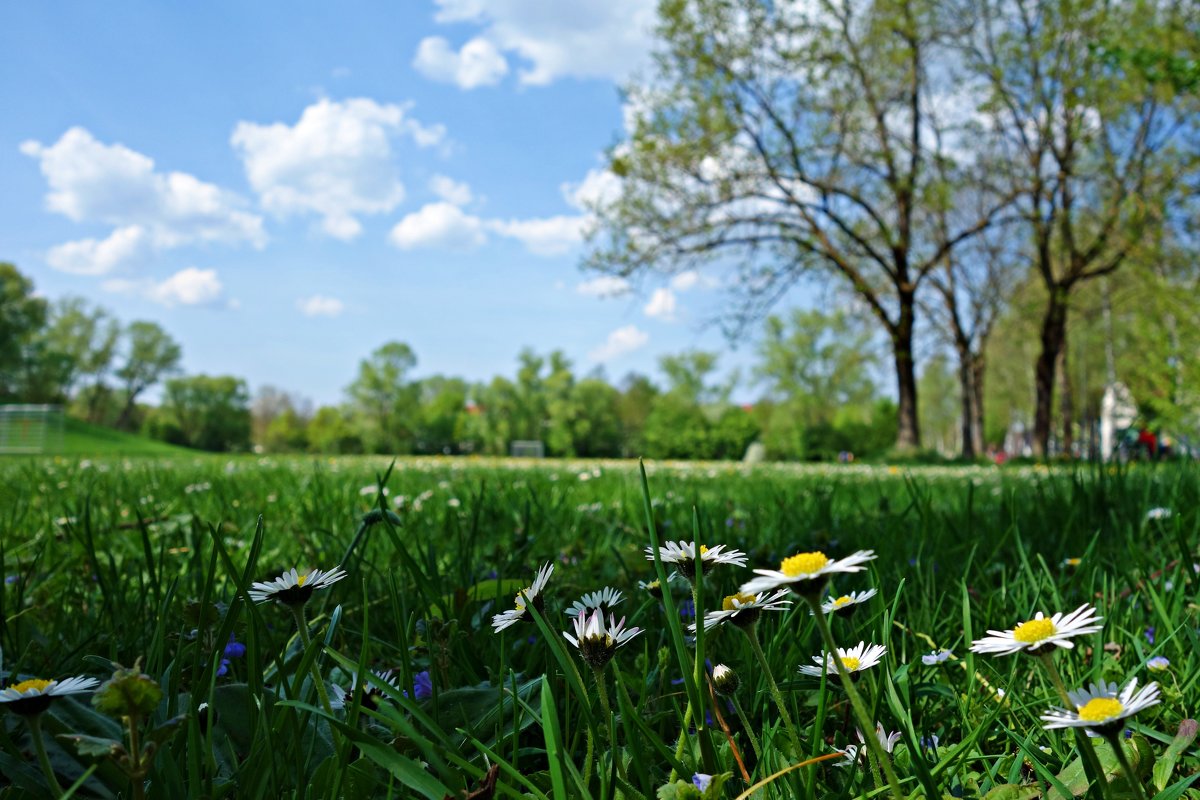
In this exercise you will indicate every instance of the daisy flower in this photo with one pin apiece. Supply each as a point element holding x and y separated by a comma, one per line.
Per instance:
<point>1041,633</point>
<point>653,588</point>
<point>844,606</point>
<point>1158,664</point>
<point>33,696</point>
<point>805,573</point>
<point>371,694</point>
<point>532,594</point>
<point>683,556</point>
<point>1102,708</point>
<point>744,609</point>
<point>725,680</point>
<point>597,643</point>
<point>293,589</point>
<point>853,660</point>
<point>603,600</point>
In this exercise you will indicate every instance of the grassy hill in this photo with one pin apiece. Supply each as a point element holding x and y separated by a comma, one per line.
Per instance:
<point>82,439</point>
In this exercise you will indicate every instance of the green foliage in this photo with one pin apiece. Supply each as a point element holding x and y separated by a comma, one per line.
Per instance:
<point>210,412</point>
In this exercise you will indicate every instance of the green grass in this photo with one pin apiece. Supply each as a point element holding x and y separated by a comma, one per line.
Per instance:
<point>83,439</point>
<point>114,561</point>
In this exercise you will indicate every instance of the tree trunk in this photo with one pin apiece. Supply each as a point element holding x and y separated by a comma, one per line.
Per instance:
<point>1054,336</point>
<point>978,368</point>
<point>967,392</point>
<point>1067,406</point>
<point>908,435</point>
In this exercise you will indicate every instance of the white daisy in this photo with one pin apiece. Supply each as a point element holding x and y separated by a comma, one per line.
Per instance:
<point>844,605</point>
<point>725,680</point>
<point>371,694</point>
<point>853,660</point>
<point>1041,633</point>
<point>805,573</point>
<point>292,588</point>
<point>34,695</point>
<point>683,556</point>
<point>605,600</point>
<point>597,643</point>
<point>744,609</point>
<point>533,593</point>
<point>655,588</point>
<point>1101,708</point>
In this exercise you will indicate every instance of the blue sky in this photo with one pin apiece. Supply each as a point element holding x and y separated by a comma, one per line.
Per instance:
<point>284,187</point>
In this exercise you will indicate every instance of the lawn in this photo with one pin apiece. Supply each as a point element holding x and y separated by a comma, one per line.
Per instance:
<point>151,562</point>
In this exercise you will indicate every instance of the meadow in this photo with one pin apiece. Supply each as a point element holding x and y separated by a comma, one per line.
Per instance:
<point>392,680</point>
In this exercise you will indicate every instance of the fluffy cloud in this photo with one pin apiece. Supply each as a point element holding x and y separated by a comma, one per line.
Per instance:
<point>598,188</point>
<point>100,256</point>
<point>549,236</point>
<point>320,306</point>
<point>661,305</point>
<point>604,286</point>
<point>90,181</point>
<point>477,63</point>
<point>441,225</point>
<point>581,38</point>
<point>619,342</point>
<point>452,191</point>
<point>335,162</point>
<point>188,287</point>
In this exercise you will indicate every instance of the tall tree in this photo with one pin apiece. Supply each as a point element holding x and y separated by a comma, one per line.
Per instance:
<point>151,354</point>
<point>86,336</point>
<point>386,399</point>
<point>1083,139</point>
<point>213,412</point>
<point>22,315</point>
<point>786,137</point>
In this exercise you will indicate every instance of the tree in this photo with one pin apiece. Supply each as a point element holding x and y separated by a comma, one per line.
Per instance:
<point>440,426</point>
<point>596,430</point>
<point>86,338</point>
<point>940,411</point>
<point>332,430</point>
<point>782,138</point>
<point>637,397</point>
<point>22,315</point>
<point>151,354</point>
<point>385,401</point>
<point>213,412</point>
<point>1082,139</point>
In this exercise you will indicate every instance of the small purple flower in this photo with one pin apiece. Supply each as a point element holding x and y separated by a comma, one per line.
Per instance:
<point>701,781</point>
<point>422,685</point>
<point>687,610</point>
<point>234,649</point>
<point>9,580</point>
<point>223,668</point>
<point>1150,635</point>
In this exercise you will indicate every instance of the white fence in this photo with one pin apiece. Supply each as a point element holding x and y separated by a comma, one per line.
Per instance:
<point>31,428</point>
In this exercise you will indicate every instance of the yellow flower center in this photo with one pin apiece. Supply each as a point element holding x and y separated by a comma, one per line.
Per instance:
<point>803,564</point>
<point>844,600</point>
<point>850,664</point>
<point>728,603</point>
<point>35,684</point>
<point>1035,630</point>
<point>1074,562</point>
<point>703,549</point>
<point>1099,709</point>
<point>300,581</point>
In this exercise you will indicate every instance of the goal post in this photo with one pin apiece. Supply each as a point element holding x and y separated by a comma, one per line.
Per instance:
<point>31,429</point>
<point>527,448</point>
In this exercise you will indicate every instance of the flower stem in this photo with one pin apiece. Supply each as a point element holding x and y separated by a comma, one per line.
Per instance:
<point>1091,762</point>
<point>737,707</point>
<point>1131,777</point>
<point>306,640</point>
<point>751,632</point>
<point>35,732</point>
<point>860,710</point>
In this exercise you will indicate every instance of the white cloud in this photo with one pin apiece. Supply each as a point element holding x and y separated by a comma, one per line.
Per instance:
<point>441,225</point>
<point>477,63</point>
<point>320,306</point>
<point>188,287</point>
<point>661,305</point>
<point>619,342</point>
<point>452,191</point>
<point>604,286</point>
<point>598,188</point>
<point>549,236</point>
<point>685,280</point>
<point>581,38</point>
<point>99,256</point>
<point>336,161</point>
<point>90,181</point>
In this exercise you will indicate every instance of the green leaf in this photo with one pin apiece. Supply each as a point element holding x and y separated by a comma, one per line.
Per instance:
<point>94,745</point>
<point>1014,791</point>
<point>1075,779</point>
<point>1166,765</point>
